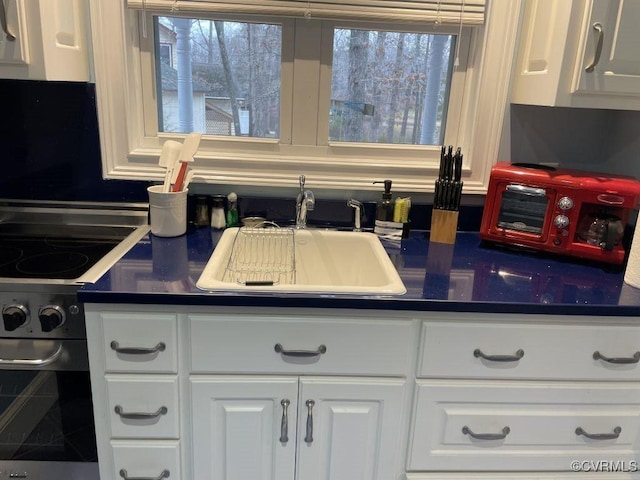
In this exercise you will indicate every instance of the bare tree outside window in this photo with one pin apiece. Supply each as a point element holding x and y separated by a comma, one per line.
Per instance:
<point>235,77</point>
<point>390,87</point>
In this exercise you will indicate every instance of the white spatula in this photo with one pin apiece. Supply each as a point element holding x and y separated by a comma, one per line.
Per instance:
<point>188,150</point>
<point>168,159</point>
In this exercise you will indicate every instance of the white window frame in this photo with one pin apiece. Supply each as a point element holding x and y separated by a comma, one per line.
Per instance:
<point>130,144</point>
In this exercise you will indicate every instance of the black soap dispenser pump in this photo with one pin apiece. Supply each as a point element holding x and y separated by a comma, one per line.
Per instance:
<point>384,209</point>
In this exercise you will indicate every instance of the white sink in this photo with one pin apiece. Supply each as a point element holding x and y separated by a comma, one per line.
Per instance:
<point>311,261</point>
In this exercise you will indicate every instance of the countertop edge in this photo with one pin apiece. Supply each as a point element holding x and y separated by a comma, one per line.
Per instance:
<point>330,302</point>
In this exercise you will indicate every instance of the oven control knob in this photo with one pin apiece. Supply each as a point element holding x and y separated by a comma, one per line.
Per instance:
<point>14,316</point>
<point>565,203</point>
<point>51,316</point>
<point>561,221</point>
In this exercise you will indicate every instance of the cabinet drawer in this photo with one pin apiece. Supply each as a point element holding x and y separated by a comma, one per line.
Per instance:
<point>546,351</point>
<point>147,459</point>
<point>140,342</point>
<point>143,407</point>
<point>538,421</point>
<point>244,344</point>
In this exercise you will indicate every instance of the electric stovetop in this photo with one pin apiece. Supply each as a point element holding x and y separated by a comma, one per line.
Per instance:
<point>55,251</point>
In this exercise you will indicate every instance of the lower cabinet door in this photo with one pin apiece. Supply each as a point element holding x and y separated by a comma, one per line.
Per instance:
<point>524,426</point>
<point>134,459</point>
<point>349,428</point>
<point>244,427</point>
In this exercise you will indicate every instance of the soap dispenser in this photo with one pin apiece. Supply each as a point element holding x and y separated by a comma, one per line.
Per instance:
<point>384,209</point>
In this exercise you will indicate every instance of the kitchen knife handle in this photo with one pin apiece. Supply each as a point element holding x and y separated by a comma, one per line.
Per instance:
<point>3,22</point>
<point>617,360</point>
<point>600,436</point>
<point>499,358</point>
<point>596,56</point>
<point>487,436</point>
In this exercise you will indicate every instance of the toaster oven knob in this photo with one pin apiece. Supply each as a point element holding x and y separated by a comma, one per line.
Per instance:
<point>565,203</point>
<point>14,316</point>
<point>51,317</point>
<point>561,221</point>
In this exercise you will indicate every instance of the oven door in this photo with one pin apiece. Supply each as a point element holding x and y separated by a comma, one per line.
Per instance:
<point>46,413</point>
<point>522,213</point>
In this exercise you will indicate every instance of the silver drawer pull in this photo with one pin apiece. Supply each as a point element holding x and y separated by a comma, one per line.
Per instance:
<point>284,424</point>
<point>600,436</point>
<point>301,353</point>
<point>596,56</point>
<point>499,358</point>
<point>164,474</point>
<point>140,415</point>
<point>487,436</point>
<point>309,436</point>
<point>619,360</point>
<point>160,347</point>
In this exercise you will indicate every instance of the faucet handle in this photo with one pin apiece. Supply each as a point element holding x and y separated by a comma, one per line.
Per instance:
<point>359,211</point>
<point>302,180</point>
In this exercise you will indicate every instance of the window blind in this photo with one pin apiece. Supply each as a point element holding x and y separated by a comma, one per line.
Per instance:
<point>467,12</point>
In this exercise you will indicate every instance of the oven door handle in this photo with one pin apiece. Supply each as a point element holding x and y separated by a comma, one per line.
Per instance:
<point>524,190</point>
<point>35,362</point>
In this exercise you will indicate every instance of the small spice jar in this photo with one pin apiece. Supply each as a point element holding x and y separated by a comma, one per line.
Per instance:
<point>218,220</point>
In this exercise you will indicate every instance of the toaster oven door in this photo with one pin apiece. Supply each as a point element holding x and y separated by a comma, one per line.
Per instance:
<point>523,212</point>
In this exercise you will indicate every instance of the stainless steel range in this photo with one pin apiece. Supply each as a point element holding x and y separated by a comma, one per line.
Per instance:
<point>47,251</point>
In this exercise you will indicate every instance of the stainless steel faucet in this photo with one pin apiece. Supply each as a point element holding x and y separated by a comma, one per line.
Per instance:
<point>305,202</point>
<point>357,221</point>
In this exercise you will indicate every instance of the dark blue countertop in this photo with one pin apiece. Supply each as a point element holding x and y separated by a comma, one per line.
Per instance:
<point>466,277</point>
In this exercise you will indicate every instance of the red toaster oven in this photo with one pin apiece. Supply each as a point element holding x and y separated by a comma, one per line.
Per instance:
<point>569,212</point>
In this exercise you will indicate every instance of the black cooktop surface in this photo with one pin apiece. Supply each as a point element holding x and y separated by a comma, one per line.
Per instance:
<point>55,251</point>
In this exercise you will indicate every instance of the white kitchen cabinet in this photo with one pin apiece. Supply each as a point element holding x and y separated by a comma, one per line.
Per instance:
<point>238,427</point>
<point>527,393</point>
<point>530,426</point>
<point>561,40</point>
<point>51,40</point>
<point>391,391</point>
<point>256,427</point>
<point>215,390</point>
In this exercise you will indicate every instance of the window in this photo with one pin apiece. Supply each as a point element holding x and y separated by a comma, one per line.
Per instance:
<point>229,73</point>
<point>343,99</point>
<point>390,87</point>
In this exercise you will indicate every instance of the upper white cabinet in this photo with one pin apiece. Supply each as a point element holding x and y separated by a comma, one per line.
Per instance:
<point>45,40</point>
<point>580,53</point>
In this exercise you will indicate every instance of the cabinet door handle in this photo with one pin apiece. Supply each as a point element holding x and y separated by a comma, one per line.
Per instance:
<point>300,353</point>
<point>3,23</point>
<point>600,436</point>
<point>309,436</point>
<point>596,56</point>
<point>140,415</point>
<point>499,358</point>
<point>487,436</point>
<point>163,474</point>
<point>160,347</point>
<point>619,360</point>
<point>284,423</point>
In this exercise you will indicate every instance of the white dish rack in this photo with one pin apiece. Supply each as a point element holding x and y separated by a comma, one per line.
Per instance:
<point>262,256</point>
